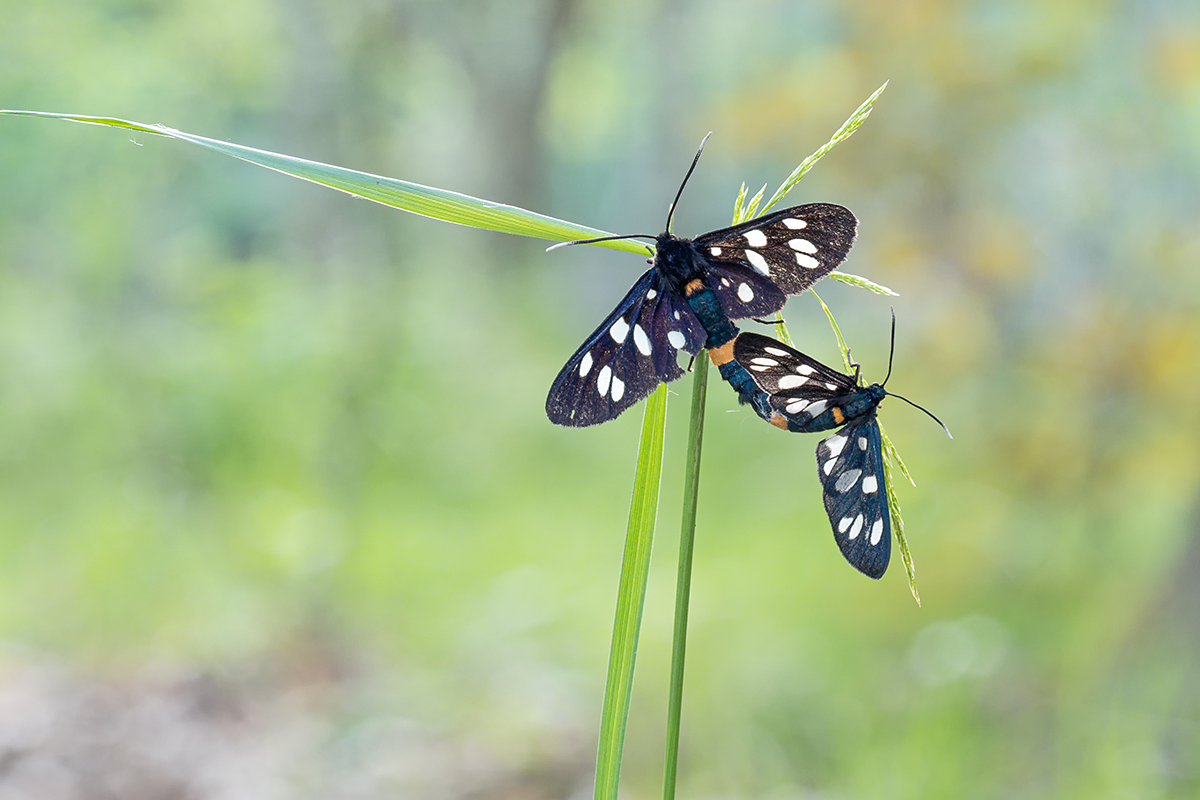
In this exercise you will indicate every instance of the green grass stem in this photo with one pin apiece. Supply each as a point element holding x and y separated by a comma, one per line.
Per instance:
<point>631,596</point>
<point>683,586</point>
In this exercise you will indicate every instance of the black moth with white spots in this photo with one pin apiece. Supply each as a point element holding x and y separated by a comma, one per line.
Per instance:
<point>806,396</point>
<point>811,397</point>
<point>685,300</point>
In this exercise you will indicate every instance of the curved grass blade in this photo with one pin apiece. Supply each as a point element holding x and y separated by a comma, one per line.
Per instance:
<point>426,201</point>
<point>631,596</point>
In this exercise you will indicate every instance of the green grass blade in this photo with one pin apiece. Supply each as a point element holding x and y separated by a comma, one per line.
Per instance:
<point>683,584</point>
<point>752,207</point>
<point>843,133</point>
<point>836,331</point>
<point>890,455</point>
<point>781,331</point>
<point>631,596</point>
<point>862,283</point>
<point>412,197</point>
<point>739,205</point>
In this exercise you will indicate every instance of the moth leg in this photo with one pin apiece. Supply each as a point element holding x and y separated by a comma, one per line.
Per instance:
<point>857,367</point>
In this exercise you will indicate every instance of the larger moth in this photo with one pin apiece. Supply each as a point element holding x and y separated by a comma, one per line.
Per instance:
<point>685,301</point>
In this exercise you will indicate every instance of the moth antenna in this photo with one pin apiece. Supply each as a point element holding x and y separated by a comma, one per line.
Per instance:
<point>675,202</point>
<point>926,410</point>
<point>601,239</point>
<point>892,352</point>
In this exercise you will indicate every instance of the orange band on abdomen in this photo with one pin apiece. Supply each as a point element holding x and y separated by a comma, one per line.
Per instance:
<point>723,354</point>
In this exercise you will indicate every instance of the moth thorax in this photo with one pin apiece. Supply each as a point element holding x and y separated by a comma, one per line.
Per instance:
<point>675,261</point>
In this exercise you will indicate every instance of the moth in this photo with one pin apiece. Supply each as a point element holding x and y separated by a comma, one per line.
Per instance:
<point>806,396</point>
<point>687,299</point>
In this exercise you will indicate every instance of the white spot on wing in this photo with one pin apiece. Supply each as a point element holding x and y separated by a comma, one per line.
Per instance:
<point>716,251</point>
<point>755,238</point>
<point>766,362</point>
<point>775,351</point>
<point>618,388</point>
<point>817,407</point>
<point>725,282</point>
<point>870,485</point>
<point>802,246</point>
<point>862,443</point>
<point>745,293</point>
<point>846,480</point>
<point>807,261</point>
<point>835,444</point>
<point>856,528</point>
<point>877,531</point>
<point>618,331</point>
<point>796,407</point>
<point>828,467</point>
<point>641,340</point>
<point>651,294</point>
<point>602,380</point>
<point>792,381</point>
<point>676,339</point>
<point>804,369</point>
<point>844,524</point>
<point>585,366</point>
<point>794,224</point>
<point>677,315</point>
<point>758,262</point>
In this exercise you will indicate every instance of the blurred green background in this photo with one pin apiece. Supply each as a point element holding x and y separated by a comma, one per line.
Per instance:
<point>282,513</point>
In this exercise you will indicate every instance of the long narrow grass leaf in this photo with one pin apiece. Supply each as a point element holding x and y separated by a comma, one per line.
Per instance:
<point>631,596</point>
<point>426,201</point>
<point>683,584</point>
